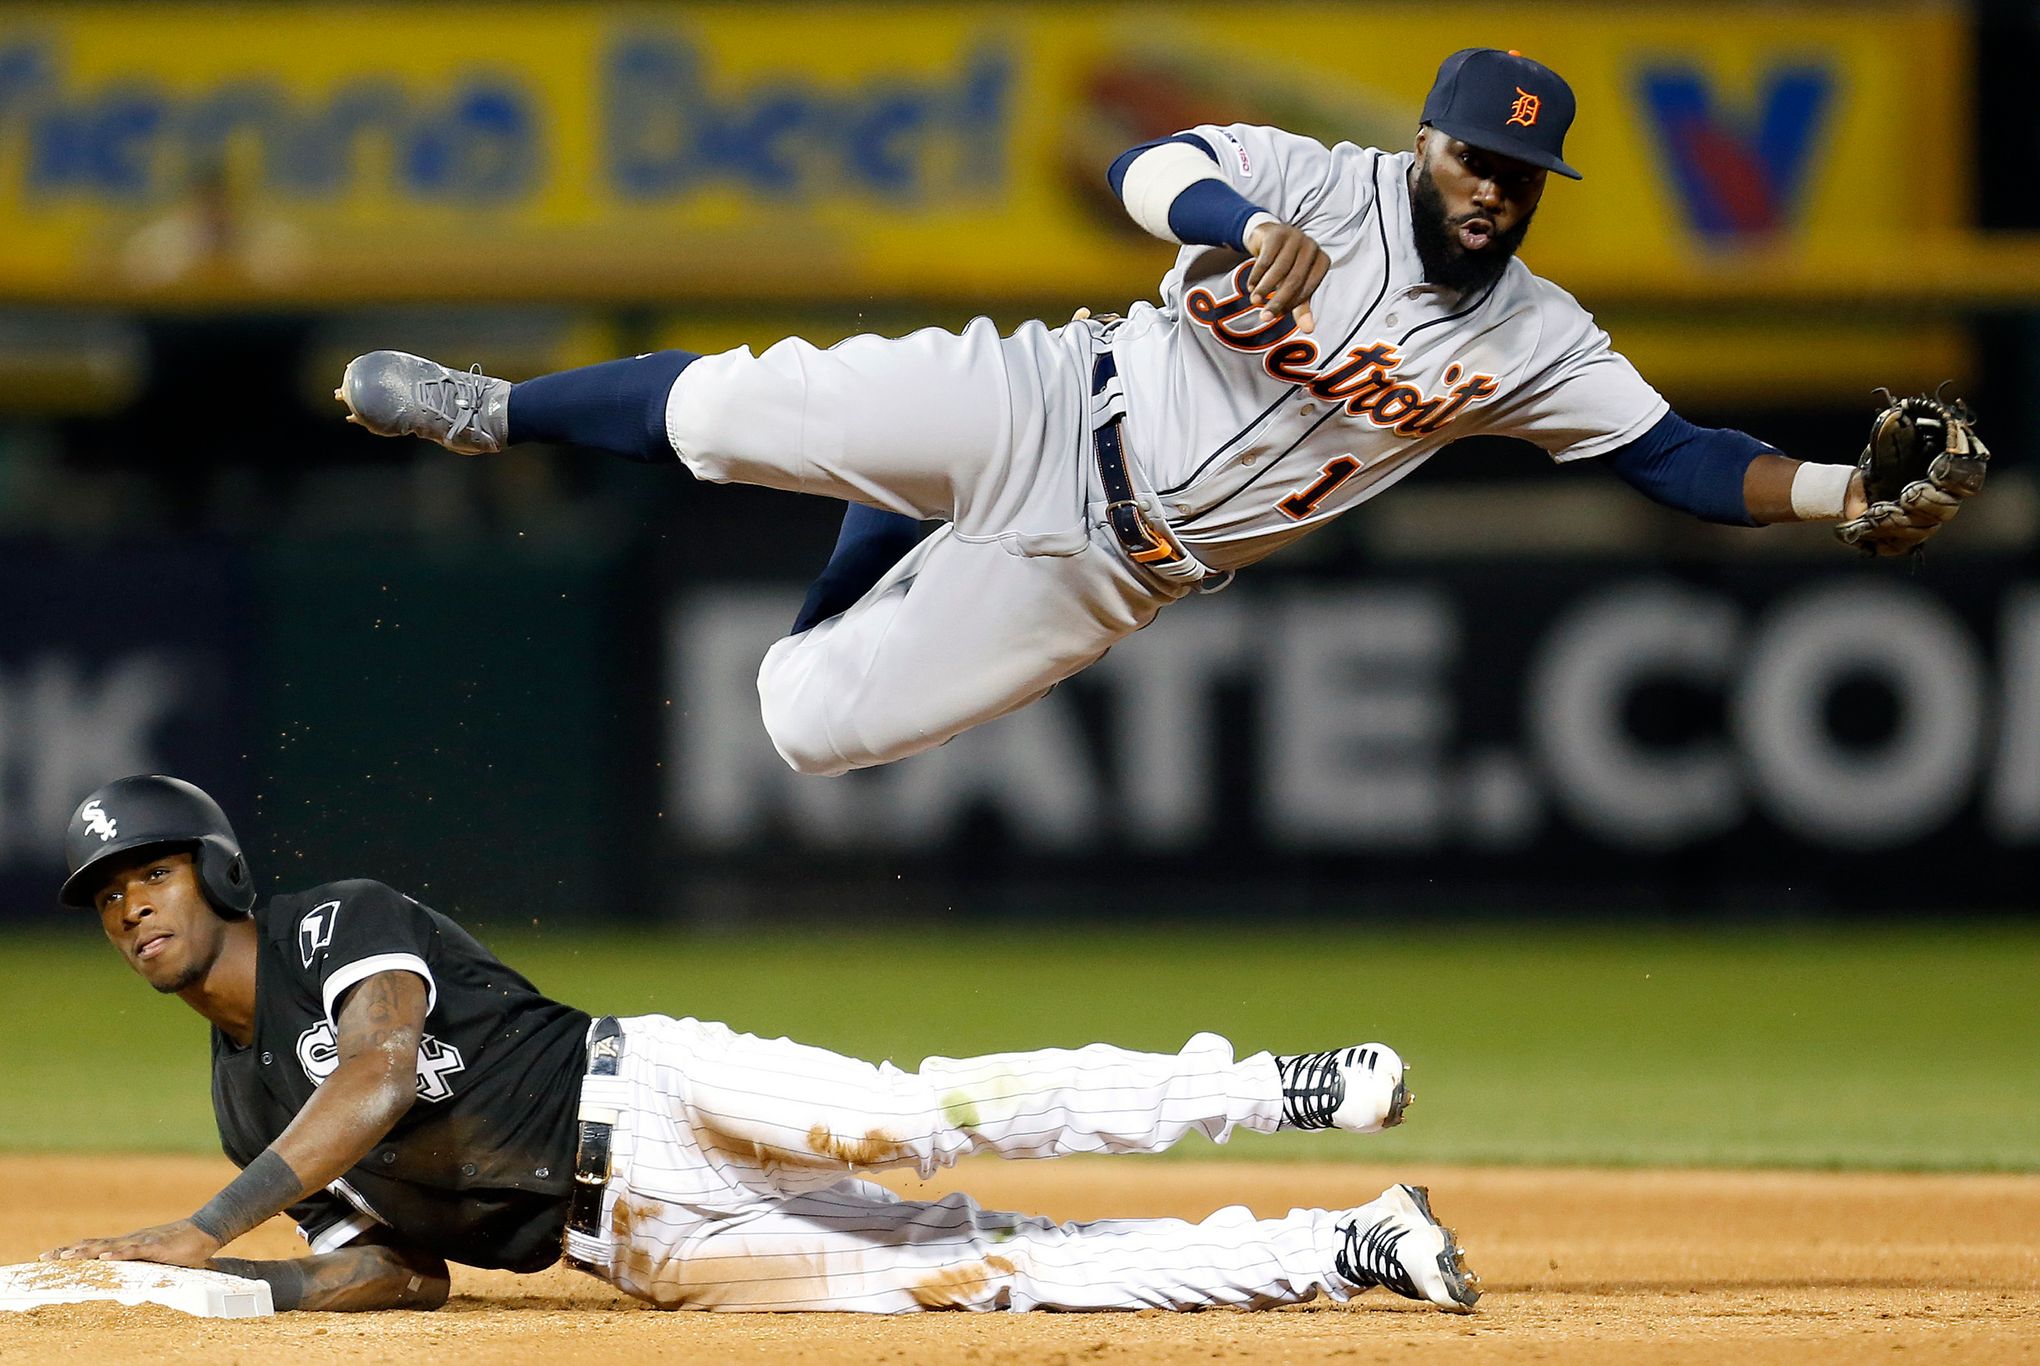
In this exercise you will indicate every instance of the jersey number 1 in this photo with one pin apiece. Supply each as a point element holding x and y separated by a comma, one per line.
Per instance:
<point>1304,501</point>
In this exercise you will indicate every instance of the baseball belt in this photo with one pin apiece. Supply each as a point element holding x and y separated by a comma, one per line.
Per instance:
<point>1147,543</point>
<point>597,1126</point>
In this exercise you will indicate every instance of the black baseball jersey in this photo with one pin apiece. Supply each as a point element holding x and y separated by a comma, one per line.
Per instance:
<point>479,1169</point>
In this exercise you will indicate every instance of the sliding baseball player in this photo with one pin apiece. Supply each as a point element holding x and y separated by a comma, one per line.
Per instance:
<point>411,1101</point>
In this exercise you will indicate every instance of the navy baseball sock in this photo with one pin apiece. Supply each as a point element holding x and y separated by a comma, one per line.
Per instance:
<point>871,542</point>
<point>618,406</point>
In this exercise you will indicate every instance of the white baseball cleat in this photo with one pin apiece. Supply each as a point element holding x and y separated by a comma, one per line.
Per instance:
<point>1395,1241</point>
<point>394,393</point>
<point>1359,1088</point>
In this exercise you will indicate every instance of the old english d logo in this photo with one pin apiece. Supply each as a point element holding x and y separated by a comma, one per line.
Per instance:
<point>1524,110</point>
<point>1739,172</point>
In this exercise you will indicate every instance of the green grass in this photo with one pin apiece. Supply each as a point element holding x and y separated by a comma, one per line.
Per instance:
<point>1881,1048</point>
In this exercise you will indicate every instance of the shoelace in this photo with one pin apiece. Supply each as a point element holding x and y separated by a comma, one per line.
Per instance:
<point>1368,1257</point>
<point>458,398</point>
<point>1312,1088</point>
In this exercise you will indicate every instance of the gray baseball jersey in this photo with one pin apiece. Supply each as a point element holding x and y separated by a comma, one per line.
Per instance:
<point>1253,432</point>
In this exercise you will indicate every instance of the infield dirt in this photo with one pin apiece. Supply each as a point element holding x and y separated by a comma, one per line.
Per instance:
<point>1580,1266</point>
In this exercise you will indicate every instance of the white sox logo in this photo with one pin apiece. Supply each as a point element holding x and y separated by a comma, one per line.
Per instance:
<point>319,1054</point>
<point>315,931</point>
<point>97,822</point>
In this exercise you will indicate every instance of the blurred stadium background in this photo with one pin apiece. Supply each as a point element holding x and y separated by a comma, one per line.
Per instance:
<point>1433,767</point>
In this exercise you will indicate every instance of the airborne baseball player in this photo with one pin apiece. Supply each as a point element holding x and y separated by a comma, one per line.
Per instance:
<point>411,1101</point>
<point>1336,317</point>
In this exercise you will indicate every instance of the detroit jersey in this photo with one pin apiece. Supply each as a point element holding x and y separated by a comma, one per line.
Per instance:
<point>479,1169</point>
<point>1252,432</point>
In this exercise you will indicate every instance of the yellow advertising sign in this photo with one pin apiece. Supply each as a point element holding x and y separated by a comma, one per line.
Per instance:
<point>833,153</point>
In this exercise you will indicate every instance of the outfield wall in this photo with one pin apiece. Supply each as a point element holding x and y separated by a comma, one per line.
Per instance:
<point>576,733</point>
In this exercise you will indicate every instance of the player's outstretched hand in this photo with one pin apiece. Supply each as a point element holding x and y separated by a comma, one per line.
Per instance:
<point>182,1243</point>
<point>1289,265</point>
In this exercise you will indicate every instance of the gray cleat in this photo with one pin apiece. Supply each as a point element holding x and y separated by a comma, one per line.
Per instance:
<point>393,393</point>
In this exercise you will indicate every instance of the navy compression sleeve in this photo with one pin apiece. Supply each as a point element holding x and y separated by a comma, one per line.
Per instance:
<point>1210,213</point>
<point>1694,469</point>
<point>617,406</point>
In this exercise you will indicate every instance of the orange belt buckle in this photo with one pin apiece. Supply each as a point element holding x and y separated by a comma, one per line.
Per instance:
<point>1161,551</point>
<point>1159,548</point>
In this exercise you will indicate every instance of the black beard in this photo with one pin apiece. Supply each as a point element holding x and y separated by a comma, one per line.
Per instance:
<point>1445,261</point>
<point>193,973</point>
<point>190,977</point>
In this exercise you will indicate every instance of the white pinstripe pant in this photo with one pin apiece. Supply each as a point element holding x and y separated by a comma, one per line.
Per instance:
<point>730,1186</point>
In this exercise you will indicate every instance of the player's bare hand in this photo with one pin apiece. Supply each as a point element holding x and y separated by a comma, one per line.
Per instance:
<point>1856,501</point>
<point>181,1243</point>
<point>1289,265</point>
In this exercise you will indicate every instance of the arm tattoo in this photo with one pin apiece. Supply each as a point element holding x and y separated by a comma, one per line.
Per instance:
<point>353,1278</point>
<point>264,1186</point>
<point>376,1081</point>
<point>384,1015</point>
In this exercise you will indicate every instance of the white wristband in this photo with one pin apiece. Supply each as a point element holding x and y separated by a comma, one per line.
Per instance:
<point>1819,491</point>
<point>1247,233</point>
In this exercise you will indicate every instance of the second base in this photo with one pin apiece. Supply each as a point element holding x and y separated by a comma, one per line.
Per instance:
<point>207,1294</point>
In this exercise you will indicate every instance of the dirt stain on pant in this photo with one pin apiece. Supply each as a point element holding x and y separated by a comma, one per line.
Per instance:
<point>635,1263</point>
<point>875,1149</point>
<point>966,1286</point>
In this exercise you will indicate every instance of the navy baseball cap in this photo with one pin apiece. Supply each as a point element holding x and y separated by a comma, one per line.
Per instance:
<point>1505,103</point>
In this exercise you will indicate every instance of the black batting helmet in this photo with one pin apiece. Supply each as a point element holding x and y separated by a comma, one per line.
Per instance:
<point>148,811</point>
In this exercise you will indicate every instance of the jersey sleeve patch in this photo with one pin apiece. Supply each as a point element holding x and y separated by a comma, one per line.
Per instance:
<point>315,930</point>
<point>357,928</point>
<point>1239,153</point>
<point>363,968</point>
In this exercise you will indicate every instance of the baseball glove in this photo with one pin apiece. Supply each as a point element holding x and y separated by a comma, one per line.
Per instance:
<point>1922,460</point>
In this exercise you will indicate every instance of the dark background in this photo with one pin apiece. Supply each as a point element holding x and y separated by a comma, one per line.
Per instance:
<point>460,676</point>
